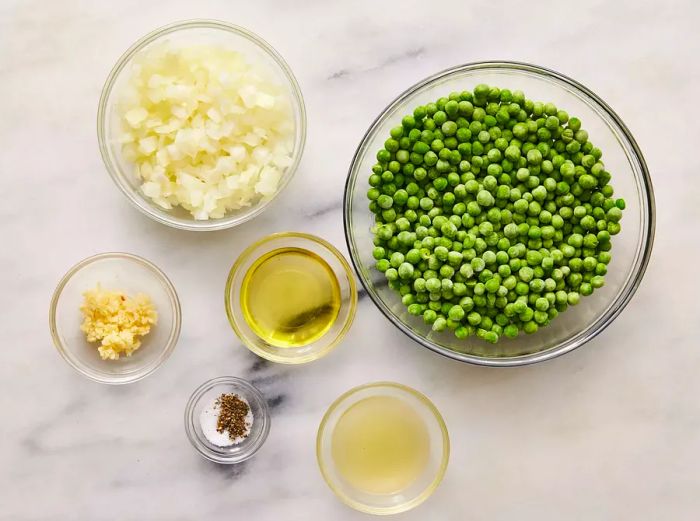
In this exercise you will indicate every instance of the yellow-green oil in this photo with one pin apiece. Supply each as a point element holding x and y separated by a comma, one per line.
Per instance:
<point>290,297</point>
<point>380,445</point>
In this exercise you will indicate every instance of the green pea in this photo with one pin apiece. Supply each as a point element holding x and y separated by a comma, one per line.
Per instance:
<point>525,273</point>
<point>440,324</point>
<point>484,198</point>
<point>433,285</point>
<point>419,285</point>
<point>379,253</point>
<point>454,258</point>
<point>405,270</point>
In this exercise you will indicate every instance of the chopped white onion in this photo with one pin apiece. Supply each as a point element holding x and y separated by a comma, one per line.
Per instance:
<point>205,129</point>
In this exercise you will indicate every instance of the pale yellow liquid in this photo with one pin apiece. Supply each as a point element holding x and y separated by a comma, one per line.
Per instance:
<point>290,297</point>
<point>380,445</point>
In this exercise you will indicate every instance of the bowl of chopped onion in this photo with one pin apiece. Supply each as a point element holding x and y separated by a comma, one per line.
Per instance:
<point>201,124</point>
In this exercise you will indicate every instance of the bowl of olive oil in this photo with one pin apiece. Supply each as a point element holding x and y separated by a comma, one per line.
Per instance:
<point>291,297</point>
<point>382,448</point>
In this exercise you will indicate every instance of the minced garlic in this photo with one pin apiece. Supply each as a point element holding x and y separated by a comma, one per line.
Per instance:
<point>116,320</point>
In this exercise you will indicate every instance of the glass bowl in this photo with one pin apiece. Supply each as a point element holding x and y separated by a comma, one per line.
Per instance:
<point>200,31</point>
<point>123,272</point>
<point>630,177</point>
<point>322,345</point>
<point>207,393</point>
<point>413,494</point>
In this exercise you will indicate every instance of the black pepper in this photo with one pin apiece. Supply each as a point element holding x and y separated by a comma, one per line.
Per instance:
<point>232,416</point>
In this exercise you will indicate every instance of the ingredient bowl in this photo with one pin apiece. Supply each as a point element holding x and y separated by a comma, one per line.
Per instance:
<point>346,298</point>
<point>207,393</point>
<point>181,35</point>
<point>631,247</point>
<point>413,491</point>
<point>119,272</point>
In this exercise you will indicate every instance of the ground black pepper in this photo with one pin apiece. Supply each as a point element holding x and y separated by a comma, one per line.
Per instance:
<point>232,416</point>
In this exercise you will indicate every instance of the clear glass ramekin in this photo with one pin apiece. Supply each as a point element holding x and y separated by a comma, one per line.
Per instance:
<point>122,272</point>
<point>207,393</point>
<point>630,178</point>
<point>416,492</point>
<point>108,124</point>
<point>317,348</point>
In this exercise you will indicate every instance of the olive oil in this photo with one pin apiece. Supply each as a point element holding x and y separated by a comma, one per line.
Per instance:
<point>380,445</point>
<point>290,297</point>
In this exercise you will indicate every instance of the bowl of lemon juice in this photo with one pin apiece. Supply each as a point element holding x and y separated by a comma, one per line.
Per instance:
<point>382,448</point>
<point>291,297</point>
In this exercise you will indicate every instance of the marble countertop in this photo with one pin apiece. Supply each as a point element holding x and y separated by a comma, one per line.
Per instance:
<point>608,432</point>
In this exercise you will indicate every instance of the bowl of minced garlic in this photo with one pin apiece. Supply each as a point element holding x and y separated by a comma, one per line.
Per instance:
<point>116,321</point>
<point>115,317</point>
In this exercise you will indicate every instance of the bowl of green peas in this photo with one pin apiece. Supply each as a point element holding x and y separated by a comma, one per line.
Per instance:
<point>499,213</point>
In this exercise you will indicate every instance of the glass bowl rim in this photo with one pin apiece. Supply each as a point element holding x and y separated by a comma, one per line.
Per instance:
<point>197,395</point>
<point>174,331</point>
<point>439,474</point>
<point>644,247</point>
<point>114,171</point>
<point>245,254</point>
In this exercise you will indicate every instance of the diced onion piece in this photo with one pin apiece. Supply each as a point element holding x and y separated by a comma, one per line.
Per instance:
<point>136,116</point>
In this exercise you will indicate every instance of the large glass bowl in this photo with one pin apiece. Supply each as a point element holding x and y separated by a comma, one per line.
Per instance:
<point>630,178</point>
<point>256,50</point>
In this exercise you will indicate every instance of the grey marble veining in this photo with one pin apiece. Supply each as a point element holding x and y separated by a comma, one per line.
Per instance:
<point>609,432</point>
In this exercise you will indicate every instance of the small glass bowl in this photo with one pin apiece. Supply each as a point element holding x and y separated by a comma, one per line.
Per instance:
<point>348,293</point>
<point>206,394</point>
<point>200,31</point>
<point>420,489</point>
<point>631,248</point>
<point>123,272</point>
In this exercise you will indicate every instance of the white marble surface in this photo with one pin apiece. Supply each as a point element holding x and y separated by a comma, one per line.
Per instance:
<point>609,432</point>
